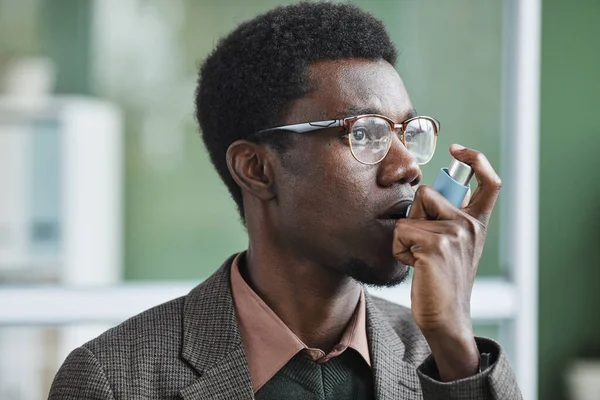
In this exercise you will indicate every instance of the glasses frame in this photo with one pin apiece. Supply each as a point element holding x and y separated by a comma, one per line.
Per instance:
<point>348,123</point>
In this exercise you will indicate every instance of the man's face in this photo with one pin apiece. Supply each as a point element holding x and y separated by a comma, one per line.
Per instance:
<point>330,206</point>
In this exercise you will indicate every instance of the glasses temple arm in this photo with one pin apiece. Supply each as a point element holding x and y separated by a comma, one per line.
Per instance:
<point>307,126</point>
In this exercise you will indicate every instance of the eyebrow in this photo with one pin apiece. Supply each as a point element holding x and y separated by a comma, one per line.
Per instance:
<point>354,111</point>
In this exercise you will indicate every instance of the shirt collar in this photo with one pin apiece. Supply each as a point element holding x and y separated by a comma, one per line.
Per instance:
<point>269,344</point>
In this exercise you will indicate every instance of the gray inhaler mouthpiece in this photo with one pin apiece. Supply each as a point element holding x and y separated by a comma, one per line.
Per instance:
<point>453,182</point>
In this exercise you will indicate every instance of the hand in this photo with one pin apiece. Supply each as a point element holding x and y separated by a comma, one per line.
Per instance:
<point>444,246</point>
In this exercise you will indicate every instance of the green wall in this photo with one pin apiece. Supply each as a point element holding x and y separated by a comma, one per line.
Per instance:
<point>65,37</point>
<point>569,308</point>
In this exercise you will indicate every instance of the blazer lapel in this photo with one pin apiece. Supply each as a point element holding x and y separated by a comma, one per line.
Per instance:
<point>228,379</point>
<point>212,343</point>
<point>393,377</point>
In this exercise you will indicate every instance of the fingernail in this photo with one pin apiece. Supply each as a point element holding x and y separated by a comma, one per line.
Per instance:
<point>458,147</point>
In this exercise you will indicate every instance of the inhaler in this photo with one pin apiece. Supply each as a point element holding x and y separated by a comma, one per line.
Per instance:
<point>453,182</point>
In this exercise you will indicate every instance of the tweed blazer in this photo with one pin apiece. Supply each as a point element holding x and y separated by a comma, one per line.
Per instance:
<point>190,348</point>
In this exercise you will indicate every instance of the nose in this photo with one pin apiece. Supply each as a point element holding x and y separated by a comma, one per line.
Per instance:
<point>398,166</point>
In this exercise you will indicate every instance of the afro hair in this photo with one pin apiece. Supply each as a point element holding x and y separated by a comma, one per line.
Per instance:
<point>256,71</point>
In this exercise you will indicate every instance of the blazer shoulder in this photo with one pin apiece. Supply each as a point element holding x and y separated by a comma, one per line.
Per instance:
<point>398,316</point>
<point>144,357</point>
<point>153,325</point>
<point>392,311</point>
<point>140,358</point>
<point>80,377</point>
<point>157,333</point>
<point>401,320</point>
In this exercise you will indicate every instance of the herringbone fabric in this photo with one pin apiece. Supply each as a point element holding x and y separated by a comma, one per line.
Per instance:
<point>190,348</point>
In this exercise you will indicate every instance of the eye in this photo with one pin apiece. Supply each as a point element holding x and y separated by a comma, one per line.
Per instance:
<point>359,134</point>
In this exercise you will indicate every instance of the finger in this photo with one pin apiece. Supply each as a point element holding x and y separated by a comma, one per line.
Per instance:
<point>409,240</point>
<point>414,237</point>
<point>488,182</point>
<point>467,199</point>
<point>430,204</point>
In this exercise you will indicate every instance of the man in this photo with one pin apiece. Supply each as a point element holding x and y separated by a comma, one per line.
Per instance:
<point>311,129</point>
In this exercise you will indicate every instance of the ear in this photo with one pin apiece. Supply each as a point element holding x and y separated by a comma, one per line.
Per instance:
<point>250,165</point>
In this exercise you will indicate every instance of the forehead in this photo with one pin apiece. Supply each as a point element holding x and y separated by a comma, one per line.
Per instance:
<point>341,88</point>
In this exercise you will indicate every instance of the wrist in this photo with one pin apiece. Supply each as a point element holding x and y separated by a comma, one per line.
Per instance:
<point>456,354</point>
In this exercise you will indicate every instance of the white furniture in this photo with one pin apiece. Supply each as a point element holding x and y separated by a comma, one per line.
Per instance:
<point>60,220</point>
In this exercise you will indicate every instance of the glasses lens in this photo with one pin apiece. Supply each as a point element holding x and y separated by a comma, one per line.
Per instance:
<point>420,136</point>
<point>370,139</point>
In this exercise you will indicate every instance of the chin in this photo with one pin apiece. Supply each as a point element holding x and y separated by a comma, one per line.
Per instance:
<point>378,274</point>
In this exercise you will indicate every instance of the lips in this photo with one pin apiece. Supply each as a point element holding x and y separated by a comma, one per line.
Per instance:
<point>396,211</point>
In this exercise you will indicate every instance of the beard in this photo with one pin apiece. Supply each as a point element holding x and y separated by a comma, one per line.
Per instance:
<point>375,276</point>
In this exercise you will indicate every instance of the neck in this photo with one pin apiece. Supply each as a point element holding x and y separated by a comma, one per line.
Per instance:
<point>315,302</point>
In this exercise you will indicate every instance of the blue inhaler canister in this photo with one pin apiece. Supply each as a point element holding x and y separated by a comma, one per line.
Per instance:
<point>453,182</point>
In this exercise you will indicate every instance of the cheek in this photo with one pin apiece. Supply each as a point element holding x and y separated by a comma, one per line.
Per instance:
<point>329,185</point>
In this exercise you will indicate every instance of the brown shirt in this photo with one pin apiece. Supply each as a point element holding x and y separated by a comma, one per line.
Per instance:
<point>270,344</point>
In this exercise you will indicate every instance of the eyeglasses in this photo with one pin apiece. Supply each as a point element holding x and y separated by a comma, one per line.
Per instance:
<point>370,136</point>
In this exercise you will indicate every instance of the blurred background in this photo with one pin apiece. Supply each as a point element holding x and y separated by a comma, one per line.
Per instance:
<point>109,204</point>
